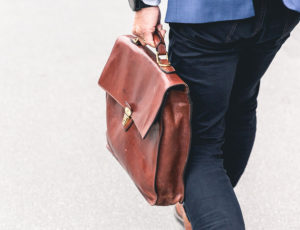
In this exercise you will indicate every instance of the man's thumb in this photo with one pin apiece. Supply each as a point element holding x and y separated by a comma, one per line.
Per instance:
<point>161,30</point>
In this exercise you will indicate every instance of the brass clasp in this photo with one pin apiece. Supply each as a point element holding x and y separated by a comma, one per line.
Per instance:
<point>127,116</point>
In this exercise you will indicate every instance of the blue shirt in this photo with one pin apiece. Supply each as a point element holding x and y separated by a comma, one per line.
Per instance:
<point>201,11</point>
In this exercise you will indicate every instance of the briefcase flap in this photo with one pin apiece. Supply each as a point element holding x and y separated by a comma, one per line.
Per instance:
<point>132,75</point>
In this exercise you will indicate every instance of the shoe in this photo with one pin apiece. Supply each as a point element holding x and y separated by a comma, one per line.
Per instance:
<point>181,217</point>
<point>178,213</point>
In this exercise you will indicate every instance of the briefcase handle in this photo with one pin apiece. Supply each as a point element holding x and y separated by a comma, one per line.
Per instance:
<point>160,47</point>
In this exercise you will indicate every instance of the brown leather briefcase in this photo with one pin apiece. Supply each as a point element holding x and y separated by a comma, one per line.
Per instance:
<point>148,112</point>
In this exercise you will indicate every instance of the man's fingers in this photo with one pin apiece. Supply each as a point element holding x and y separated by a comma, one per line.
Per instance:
<point>149,39</point>
<point>159,27</point>
<point>142,41</point>
<point>136,32</point>
<point>146,38</point>
<point>161,30</point>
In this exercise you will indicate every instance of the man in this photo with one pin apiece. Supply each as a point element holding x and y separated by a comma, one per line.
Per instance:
<point>221,49</point>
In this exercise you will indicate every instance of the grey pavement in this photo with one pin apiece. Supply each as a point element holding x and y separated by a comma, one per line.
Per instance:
<point>55,172</point>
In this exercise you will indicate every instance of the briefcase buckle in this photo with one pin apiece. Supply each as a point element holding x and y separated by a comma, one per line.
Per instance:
<point>158,60</point>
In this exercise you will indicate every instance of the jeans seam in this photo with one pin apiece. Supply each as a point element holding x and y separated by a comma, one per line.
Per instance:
<point>231,32</point>
<point>263,10</point>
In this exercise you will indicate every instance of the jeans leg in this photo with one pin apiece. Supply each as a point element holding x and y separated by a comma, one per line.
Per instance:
<point>210,201</point>
<point>254,60</point>
<point>241,118</point>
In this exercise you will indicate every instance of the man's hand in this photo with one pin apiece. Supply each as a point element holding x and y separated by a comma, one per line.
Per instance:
<point>145,22</point>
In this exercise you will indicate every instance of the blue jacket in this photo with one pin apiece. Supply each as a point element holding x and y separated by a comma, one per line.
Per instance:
<point>200,11</point>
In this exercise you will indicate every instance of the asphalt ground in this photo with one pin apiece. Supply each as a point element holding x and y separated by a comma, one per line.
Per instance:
<point>55,171</point>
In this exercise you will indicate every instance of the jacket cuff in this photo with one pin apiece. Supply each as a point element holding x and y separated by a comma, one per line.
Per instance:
<point>152,2</point>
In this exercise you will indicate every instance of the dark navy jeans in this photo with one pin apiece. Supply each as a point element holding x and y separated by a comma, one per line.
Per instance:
<point>223,62</point>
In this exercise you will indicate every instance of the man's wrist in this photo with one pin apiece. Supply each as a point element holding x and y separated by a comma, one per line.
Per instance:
<point>137,5</point>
